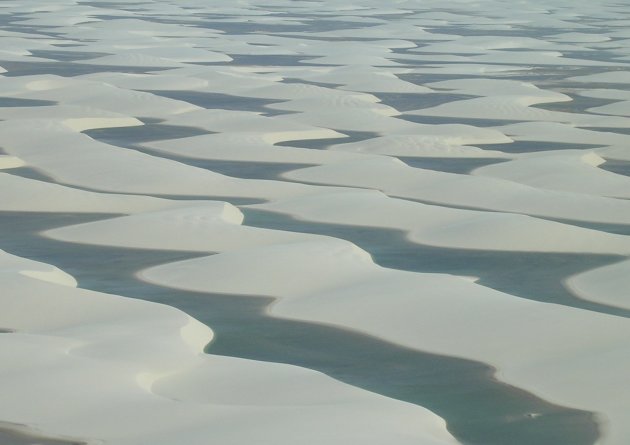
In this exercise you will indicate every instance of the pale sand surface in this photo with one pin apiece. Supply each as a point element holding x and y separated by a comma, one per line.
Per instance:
<point>573,172</point>
<point>607,285</point>
<point>15,434</point>
<point>355,359</point>
<point>431,180</point>
<point>351,277</point>
<point>399,180</point>
<point>62,354</point>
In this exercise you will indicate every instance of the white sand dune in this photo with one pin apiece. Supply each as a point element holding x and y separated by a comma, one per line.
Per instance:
<point>108,367</point>
<point>19,55</point>
<point>396,179</point>
<point>8,162</point>
<point>101,96</point>
<point>564,133</point>
<point>268,263</point>
<point>431,140</point>
<point>225,121</point>
<point>414,311</point>
<point>98,166</point>
<point>468,69</point>
<point>610,77</point>
<point>355,78</point>
<point>540,58</point>
<point>608,285</point>
<point>158,57</point>
<point>498,87</point>
<point>28,195</point>
<point>134,81</point>
<point>617,109</point>
<point>538,85</point>
<point>68,117</point>
<point>208,227</point>
<point>619,152</point>
<point>435,225</point>
<point>482,44</point>
<point>566,170</point>
<point>607,93</point>
<point>252,147</point>
<point>517,108</point>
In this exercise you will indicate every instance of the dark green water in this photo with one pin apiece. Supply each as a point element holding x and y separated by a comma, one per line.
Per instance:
<point>479,410</point>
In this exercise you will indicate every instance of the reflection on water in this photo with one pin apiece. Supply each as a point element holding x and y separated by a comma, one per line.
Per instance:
<point>478,409</point>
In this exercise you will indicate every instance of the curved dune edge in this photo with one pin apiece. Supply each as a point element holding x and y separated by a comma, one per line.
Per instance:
<point>608,285</point>
<point>216,226</point>
<point>26,434</point>
<point>396,179</point>
<point>150,367</point>
<point>82,124</point>
<point>325,280</point>
<point>484,325</point>
<point>9,162</point>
